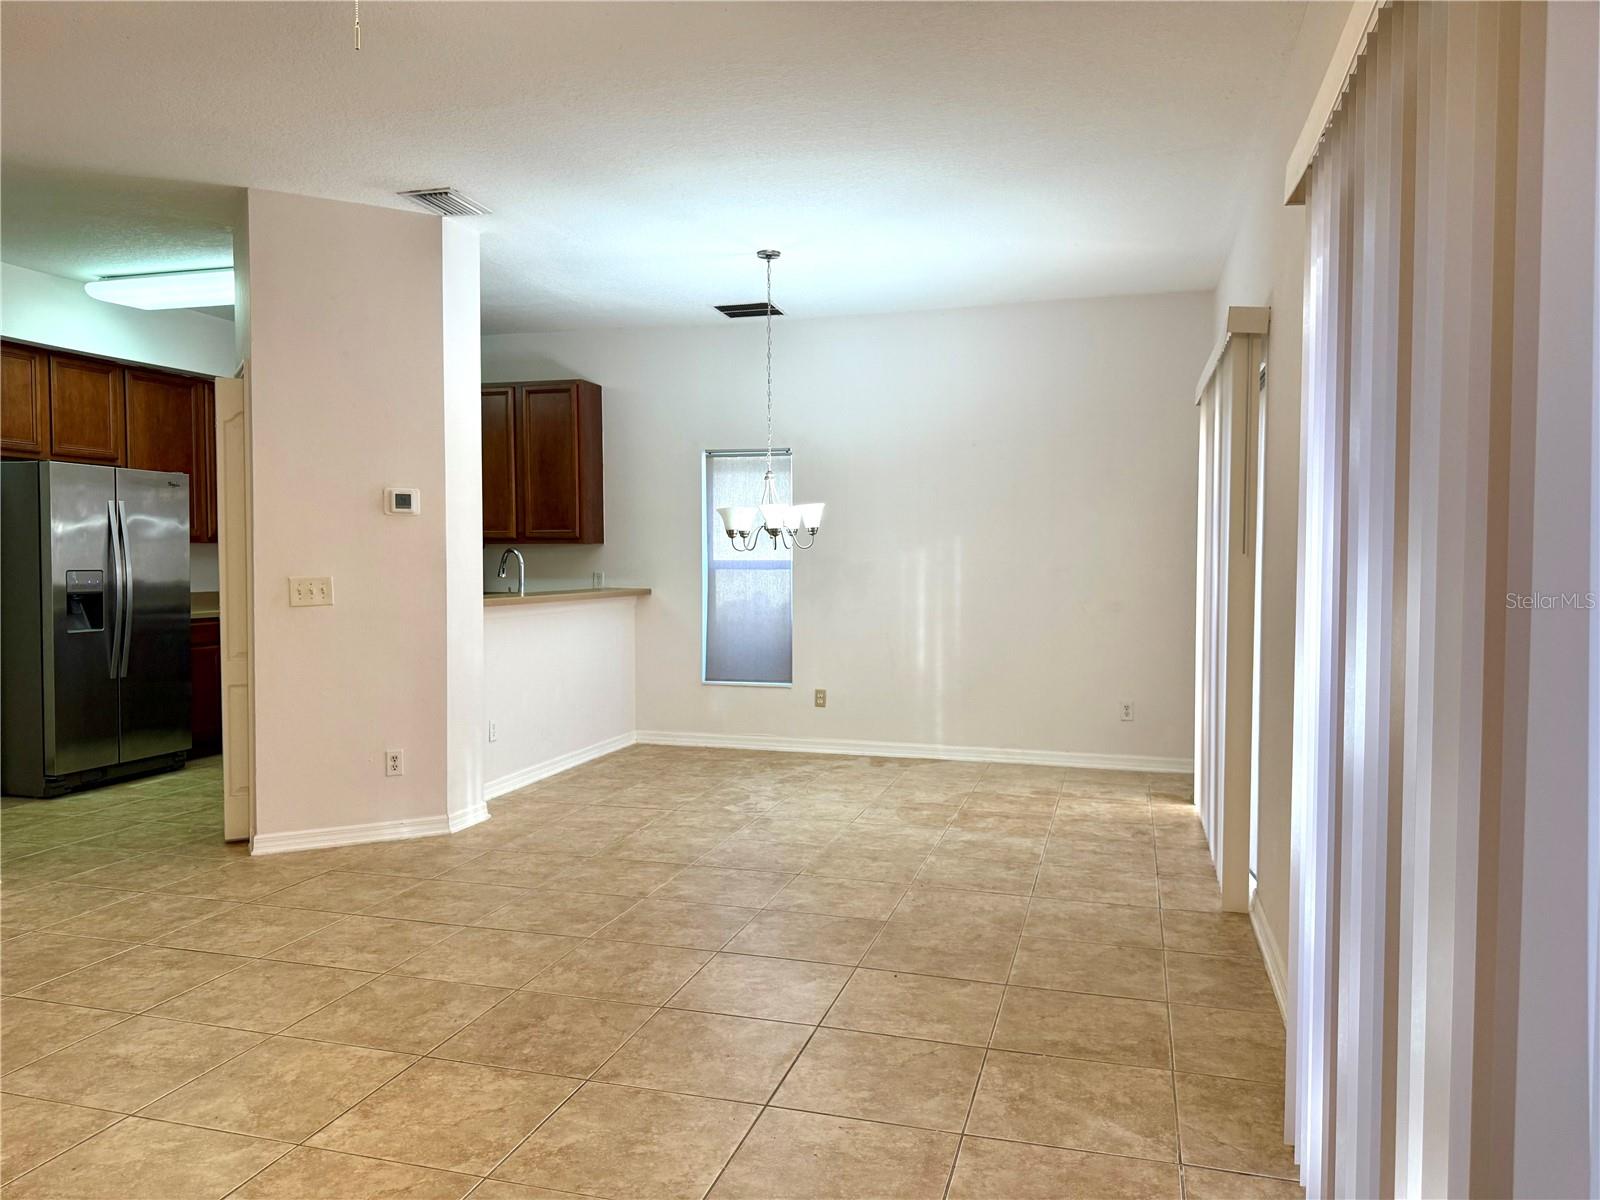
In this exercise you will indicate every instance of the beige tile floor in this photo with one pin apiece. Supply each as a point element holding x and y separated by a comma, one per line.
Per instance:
<point>669,973</point>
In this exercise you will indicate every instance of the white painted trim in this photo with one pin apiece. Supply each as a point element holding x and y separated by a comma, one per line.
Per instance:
<point>554,766</point>
<point>351,835</point>
<point>1241,320</point>
<point>1048,758</point>
<point>1272,955</point>
<point>375,831</point>
<point>388,831</point>
<point>467,817</point>
<point>1330,95</point>
<point>1225,603</point>
<point>236,628</point>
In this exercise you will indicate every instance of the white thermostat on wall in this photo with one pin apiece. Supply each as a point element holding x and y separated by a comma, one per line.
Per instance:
<point>402,500</point>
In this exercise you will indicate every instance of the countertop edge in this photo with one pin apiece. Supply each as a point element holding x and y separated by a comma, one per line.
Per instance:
<point>491,600</point>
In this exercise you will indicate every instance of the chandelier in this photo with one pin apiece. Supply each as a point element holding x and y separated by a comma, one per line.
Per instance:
<point>783,523</point>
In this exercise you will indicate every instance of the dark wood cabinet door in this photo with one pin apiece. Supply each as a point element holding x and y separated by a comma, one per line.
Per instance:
<point>560,478</point>
<point>160,421</point>
<point>591,466</point>
<point>203,485</point>
<point>24,402</point>
<point>167,431</point>
<point>86,410</point>
<point>500,464</point>
<point>547,454</point>
<point>205,674</point>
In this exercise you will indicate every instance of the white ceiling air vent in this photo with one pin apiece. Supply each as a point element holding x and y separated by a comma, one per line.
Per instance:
<point>447,202</point>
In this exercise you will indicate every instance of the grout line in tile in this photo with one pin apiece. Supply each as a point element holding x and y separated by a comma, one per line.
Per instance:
<point>765,814</point>
<point>1172,1048</point>
<point>121,1117</point>
<point>686,1095</point>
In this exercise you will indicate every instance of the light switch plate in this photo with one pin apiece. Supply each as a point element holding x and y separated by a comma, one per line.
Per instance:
<point>310,590</point>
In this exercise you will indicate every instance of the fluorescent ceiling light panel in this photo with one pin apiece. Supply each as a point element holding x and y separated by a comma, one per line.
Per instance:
<point>171,289</point>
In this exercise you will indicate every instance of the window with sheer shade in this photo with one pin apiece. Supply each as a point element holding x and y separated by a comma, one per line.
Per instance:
<point>749,625</point>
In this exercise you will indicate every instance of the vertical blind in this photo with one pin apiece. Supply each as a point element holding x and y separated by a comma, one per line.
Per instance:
<point>749,630</point>
<point>1225,555</point>
<point>1425,387</point>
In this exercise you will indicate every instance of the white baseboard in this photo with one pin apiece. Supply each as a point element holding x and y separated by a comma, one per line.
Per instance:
<point>1272,953</point>
<point>1047,758</point>
<point>554,766</point>
<point>350,835</point>
<point>466,818</point>
<point>388,831</point>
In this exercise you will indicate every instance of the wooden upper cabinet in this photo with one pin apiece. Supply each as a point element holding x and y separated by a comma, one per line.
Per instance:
<point>75,408</point>
<point>203,486</point>
<point>86,412</point>
<point>24,402</point>
<point>560,483</point>
<point>500,464</point>
<point>170,429</point>
<point>161,421</point>
<point>549,462</point>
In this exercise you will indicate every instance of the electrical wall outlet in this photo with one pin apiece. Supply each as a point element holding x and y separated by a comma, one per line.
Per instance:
<point>821,700</point>
<point>494,731</point>
<point>310,590</point>
<point>1127,710</point>
<point>394,762</point>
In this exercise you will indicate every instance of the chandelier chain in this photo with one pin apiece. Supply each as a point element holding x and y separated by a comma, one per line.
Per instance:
<point>792,526</point>
<point>769,368</point>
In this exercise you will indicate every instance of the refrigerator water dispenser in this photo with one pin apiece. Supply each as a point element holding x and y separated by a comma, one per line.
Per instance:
<point>86,596</point>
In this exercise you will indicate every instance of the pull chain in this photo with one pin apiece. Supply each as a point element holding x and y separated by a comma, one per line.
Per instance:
<point>358,24</point>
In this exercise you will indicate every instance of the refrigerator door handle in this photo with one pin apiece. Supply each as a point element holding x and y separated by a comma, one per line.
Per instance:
<point>127,595</point>
<point>118,590</point>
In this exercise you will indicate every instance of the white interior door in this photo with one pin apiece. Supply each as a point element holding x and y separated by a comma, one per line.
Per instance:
<point>233,562</point>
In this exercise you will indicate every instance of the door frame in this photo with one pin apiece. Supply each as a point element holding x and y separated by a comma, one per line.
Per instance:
<point>234,551</point>
<point>1228,403</point>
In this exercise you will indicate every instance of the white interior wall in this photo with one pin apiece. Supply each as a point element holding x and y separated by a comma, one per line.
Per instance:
<point>355,373</point>
<point>462,498</point>
<point>203,569</point>
<point>559,686</point>
<point>1266,266</point>
<point>1009,545</point>
<point>35,307</point>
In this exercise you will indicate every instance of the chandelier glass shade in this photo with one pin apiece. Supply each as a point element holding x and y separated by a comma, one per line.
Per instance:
<point>792,526</point>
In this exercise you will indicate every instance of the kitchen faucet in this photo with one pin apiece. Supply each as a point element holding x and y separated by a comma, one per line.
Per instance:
<point>522,570</point>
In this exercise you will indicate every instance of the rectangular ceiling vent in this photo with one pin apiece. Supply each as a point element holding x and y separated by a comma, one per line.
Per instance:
<point>447,202</point>
<point>758,309</point>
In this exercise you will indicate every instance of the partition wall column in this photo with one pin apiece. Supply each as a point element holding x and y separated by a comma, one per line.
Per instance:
<point>364,375</point>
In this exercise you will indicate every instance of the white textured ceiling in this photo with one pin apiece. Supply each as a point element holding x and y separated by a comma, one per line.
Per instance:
<point>902,155</point>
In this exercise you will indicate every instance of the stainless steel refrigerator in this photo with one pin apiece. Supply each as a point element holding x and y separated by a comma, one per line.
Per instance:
<point>94,624</point>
